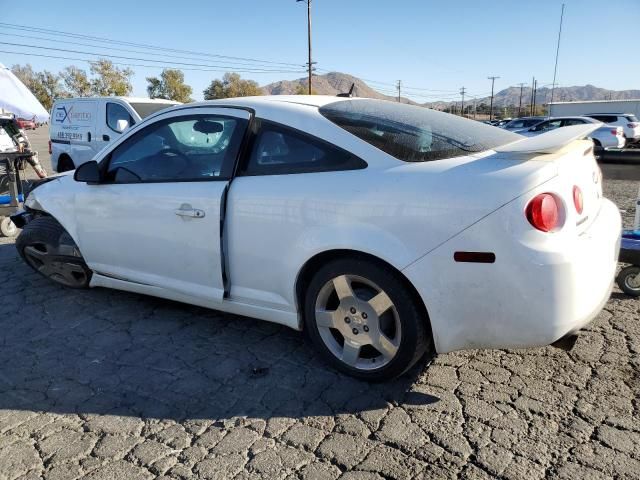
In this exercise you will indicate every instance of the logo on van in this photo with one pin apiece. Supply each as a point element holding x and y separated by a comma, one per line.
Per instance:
<point>62,115</point>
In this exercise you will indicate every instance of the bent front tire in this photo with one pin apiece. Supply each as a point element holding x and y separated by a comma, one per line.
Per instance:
<point>46,247</point>
<point>363,319</point>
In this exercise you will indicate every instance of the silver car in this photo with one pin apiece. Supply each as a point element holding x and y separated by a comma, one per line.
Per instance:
<point>607,136</point>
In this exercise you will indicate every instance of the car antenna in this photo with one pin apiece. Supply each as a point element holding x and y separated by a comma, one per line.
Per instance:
<point>350,94</point>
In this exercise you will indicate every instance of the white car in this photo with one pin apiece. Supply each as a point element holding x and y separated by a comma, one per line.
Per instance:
<point>628,121</point>
<point>385,230</point>
<point>604,136</point>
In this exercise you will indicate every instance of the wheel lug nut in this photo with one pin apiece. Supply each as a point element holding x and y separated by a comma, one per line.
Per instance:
<point>365,328</point>
<point>347,320</point>
<point>353,310</point>
<point>355,331</point>
<point>364,315</point>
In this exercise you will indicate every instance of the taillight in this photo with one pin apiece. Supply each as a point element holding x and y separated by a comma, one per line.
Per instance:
<point>614,132</point>
<point>543,212</point>
<point>49,147</point>
<point>632,124</point>
<point>578,199</point>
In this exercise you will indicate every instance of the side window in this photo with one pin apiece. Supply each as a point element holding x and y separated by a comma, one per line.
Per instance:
<point>280,150</point>
<point>605,118</point>
<point>116,112</point>
<point>572,121</point>
<point>187,148</point>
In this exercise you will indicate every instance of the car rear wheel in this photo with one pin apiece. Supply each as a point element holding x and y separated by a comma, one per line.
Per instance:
<point>47,248</point>
<point>364,320</point>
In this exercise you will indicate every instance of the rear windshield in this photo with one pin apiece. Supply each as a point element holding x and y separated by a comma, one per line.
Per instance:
<point>145,109</point>
<point>412,133</point>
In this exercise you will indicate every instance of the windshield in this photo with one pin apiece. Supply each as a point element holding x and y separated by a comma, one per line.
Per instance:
<point>522,123</point>
<point>412,133</point>
<point>144,109</point>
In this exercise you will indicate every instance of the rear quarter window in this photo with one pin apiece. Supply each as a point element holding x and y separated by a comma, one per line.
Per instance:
<point>414,134</point>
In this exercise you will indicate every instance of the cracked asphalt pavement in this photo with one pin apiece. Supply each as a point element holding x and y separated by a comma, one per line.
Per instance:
<point>103,384</point>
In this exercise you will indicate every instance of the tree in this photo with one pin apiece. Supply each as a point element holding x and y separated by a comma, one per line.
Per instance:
<point>76,81</point>
<point>109,79</point>
<point>44,85</point>
<point>303,89</point>
<point>231,85</point>
<point>169,86</point>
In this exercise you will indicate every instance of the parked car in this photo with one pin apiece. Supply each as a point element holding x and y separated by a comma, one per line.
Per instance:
<point>386,231</point>
<point>26,124</point>
<point>502,122</point>
<point>81,127</point>
<point>522,123</point>
<point>627,121</point>
<point>606,136</point>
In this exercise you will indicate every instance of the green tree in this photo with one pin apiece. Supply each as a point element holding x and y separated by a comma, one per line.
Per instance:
<point>303,89</point>
<point>231,85</point>
<point>109,79</point>
<point>169,86</point>
<point>76,81</point>
<point>45,85</point>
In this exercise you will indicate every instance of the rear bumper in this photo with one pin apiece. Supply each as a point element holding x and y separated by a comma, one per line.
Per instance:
<point>533,295</point>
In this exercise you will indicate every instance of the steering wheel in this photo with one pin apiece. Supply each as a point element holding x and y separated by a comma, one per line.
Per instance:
<point>177,153</point>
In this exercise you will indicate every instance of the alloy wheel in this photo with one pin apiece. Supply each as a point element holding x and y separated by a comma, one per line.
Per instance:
<point>358,322</point>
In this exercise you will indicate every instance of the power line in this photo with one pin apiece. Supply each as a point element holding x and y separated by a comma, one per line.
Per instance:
<point>58,33</point>
<point>106,55</point>
<point>134,64</point>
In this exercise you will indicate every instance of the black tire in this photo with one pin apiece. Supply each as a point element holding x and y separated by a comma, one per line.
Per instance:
<point>416,338</point>
<point>624,280</point>
<point>46,247</point>
<point>65,164</point>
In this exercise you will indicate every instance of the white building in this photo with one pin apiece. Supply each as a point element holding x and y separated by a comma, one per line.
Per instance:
<point>560,109</point>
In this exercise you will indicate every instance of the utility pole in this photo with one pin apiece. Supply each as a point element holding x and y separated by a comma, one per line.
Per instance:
<point>535,94</point>
<point>309,63</point>
<point>520,104</point>
<point>398,86</point>
<point>462,91</point>
<point>533,85</point>
<point>493,79</point>
<point>555,70</point>
<point>474,108</point>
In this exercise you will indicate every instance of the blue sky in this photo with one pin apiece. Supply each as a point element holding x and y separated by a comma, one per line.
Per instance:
<point>432,45</point>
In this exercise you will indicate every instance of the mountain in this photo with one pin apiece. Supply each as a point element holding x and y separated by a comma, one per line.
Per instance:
<point>511,96</point>
<point>330,84</point>
<point>335,82</point>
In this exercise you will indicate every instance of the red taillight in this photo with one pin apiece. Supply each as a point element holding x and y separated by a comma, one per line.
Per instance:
<point>543,212</point>
<point>578,199</point>
<point>614,132</point>
<point>49,147</point>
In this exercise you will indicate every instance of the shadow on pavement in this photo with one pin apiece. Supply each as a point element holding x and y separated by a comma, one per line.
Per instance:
<point>107,352</point>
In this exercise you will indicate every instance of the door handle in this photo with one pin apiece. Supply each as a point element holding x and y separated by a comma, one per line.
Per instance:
<point>187,211</point>
<point>88,136</point>
<point>106,138</point>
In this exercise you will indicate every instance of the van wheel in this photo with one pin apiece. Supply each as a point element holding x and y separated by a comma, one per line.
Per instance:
<point>47,248</point>
<point>364,321</point>
<point>65,164</point>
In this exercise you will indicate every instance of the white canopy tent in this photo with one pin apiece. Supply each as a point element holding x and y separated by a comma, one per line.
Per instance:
<point>17,99</point>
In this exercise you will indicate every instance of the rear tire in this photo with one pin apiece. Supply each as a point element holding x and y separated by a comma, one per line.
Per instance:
<point>46,247</point>
<point>363,319</point>
<point>629,280</point>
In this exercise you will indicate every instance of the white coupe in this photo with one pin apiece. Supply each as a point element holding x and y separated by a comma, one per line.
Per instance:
<point>384,230</point>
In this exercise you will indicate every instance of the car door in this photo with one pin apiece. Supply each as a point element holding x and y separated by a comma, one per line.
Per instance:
<point>155,219</point>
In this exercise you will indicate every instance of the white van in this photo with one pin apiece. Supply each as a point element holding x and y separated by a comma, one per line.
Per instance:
<point>81,127</point>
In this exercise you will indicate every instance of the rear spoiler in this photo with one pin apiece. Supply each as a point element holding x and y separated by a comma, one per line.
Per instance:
<point>550,142</point>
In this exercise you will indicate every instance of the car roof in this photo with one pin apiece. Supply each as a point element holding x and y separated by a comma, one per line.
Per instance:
<point>605,113</point>
<point>571,117</point>
<point>309,100</point>
<point>125,99</point>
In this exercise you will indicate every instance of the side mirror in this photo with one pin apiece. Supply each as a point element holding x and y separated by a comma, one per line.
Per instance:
<point>122,125</point>
<point>88,173</point>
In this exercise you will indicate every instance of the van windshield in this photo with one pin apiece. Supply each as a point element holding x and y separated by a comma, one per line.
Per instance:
<point>144,109</point>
